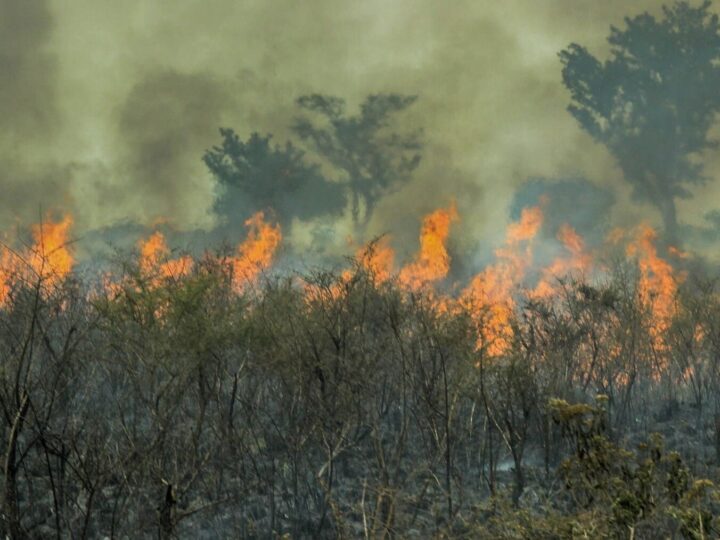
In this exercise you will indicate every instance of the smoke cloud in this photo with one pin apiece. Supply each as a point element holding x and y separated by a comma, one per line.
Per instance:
<point>111,106</point>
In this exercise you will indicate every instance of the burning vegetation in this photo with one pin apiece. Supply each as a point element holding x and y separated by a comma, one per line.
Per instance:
<point>388,395</point>
<point>46,262</point>
<point>569,387</point>
<point>494,298</point>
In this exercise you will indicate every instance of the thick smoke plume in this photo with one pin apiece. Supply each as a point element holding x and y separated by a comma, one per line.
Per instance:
<point>112,109</point>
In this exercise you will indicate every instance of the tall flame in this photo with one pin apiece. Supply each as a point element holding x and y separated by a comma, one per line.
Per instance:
<point>489,294</point>
<point>432,262</point>
<point>48,261</point>
<point>256,253</point>
<point>658,284</point>
<point>377,258</point>
<point>51,257</point>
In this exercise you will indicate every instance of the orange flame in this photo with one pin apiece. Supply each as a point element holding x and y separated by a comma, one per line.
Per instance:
<point>51,257</point>
<point>48,261</point>
<point>578,262</point>
<point>489,294</point>
<point>154,261</point>
<point>658,284</point>
<point>377,258</point>
<point>256,253</point>
<point>6,275</point>
<point>678,253</point>
<point>432,263</point>
<point>615,236</point>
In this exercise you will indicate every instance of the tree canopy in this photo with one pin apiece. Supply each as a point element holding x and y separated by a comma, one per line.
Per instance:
<point>255,174</point>
<point>372,159</point>
<point>653,101</point>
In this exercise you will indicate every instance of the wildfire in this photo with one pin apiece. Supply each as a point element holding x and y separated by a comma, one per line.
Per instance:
<point>377,258</point>
<point>51,257</point>
<point>154,261</point>
<point>252,256</point>
<point>577,262</point>
<point>658,284</point>
<point>489,294</point>
<point>491,297</point>
<point>432,262</point>
<point>256,253</point>
<point>47,262</point>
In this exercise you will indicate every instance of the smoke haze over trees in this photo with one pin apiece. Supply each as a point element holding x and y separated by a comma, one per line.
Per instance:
<point>372,161</point>
<point>255,174</point>
<point>491,103</point>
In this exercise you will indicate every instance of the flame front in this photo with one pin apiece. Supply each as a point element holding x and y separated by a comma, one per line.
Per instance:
<point>491,297</point>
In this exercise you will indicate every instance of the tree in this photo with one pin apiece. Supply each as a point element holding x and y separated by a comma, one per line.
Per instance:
<point>653,101</point>
<point>372,161</point>
<point>255,175</point>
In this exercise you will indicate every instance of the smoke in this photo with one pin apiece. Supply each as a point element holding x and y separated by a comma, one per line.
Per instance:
<point>27,93</point>
<point>164,121</point>
<point>31,177</point>
<point>110,107</point>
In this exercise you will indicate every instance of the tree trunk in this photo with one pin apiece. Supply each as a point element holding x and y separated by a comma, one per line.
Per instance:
<point>11,510</point>
<point>167,515</point>
<point>519,484</point>
<point>717,438</point>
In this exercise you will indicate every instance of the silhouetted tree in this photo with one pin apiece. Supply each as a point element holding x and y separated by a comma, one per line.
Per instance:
<point>373,160</point>
<point>653,101</point>
<point>255,175</point>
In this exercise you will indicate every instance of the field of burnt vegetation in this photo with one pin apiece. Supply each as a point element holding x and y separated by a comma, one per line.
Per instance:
<point>210,397</point>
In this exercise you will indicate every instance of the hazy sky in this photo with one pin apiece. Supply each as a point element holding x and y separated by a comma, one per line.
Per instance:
<point>109,105</point>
